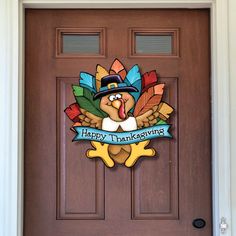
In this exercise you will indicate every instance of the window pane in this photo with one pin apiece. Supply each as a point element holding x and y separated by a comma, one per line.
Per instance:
<point>153,44</point>
<point>80,44</point>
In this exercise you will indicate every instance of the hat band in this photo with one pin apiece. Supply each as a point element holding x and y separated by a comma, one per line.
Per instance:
<point>112,86</point>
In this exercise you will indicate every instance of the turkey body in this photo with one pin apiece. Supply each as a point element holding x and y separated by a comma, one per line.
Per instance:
<point>119,153</point>
<point>118,107</point>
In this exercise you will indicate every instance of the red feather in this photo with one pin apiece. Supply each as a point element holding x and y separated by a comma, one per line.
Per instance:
<point>73,111</point>
<point>148,80</point>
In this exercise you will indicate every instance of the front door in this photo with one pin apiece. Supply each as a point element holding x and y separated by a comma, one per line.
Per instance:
<point>68,194</point>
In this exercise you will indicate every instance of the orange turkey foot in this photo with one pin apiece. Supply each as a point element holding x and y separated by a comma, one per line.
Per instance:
<point>138,150</point>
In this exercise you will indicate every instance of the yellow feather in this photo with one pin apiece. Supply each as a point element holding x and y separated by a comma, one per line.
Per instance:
<point>101,72</point>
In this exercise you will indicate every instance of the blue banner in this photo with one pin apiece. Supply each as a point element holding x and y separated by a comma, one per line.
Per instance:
<point>87,133</point>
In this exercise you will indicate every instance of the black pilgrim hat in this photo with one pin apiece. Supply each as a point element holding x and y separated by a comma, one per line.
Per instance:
<point>111,84</point>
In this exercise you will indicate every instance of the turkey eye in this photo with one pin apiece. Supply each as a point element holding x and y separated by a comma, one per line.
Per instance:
<point>112,98</point>
<point>118,96</point>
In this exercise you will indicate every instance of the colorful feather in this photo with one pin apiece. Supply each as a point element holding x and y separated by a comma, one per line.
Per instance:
<point>133,78</point>
<point>87,81</point>
<point>101,72</point>
<point>165,110</point>
<point>84,98</point>
<point>133,75</point>
<point>73,112</point>
<point>148,80</point>
<point>149,99</point>
<point>118,68</point>
<point>161,122</point>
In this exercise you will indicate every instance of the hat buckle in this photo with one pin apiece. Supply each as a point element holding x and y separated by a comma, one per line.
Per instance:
<point>112,85</point>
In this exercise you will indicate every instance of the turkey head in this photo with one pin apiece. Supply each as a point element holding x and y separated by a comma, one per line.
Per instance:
<point>117,105</point>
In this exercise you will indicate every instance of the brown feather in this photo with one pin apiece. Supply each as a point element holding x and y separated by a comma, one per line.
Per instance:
<point>149,118</point>
<point>89,119</point>
<point>149,99</point>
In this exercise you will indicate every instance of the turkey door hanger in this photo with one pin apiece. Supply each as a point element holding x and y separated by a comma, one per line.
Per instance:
<point>119,112</point>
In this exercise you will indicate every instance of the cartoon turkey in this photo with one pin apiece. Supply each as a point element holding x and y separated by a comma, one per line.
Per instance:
<point>118,101</point>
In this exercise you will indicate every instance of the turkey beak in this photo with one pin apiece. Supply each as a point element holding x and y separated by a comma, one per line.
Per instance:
<point>116,104</point>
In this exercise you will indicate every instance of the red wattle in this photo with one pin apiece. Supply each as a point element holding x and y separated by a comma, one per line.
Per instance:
<point>121,111</point>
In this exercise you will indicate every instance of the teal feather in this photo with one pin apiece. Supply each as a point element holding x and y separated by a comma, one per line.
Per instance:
<point>133,75</point>
<point>88,81</point>
<point>133,78</point>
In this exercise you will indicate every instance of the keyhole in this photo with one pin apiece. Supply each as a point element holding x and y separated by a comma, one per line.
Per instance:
<point>199,223</point>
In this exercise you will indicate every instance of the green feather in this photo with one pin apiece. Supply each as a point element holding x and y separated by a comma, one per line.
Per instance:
<point>85,100</point>
<point>161,122</point>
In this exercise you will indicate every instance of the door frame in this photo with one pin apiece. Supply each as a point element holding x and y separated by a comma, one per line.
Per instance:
<point>12,101</point>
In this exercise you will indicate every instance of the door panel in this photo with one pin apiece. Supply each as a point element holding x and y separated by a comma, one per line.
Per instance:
<point>80,191</point>
<point>69,194</point>
<point>155,183</point>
